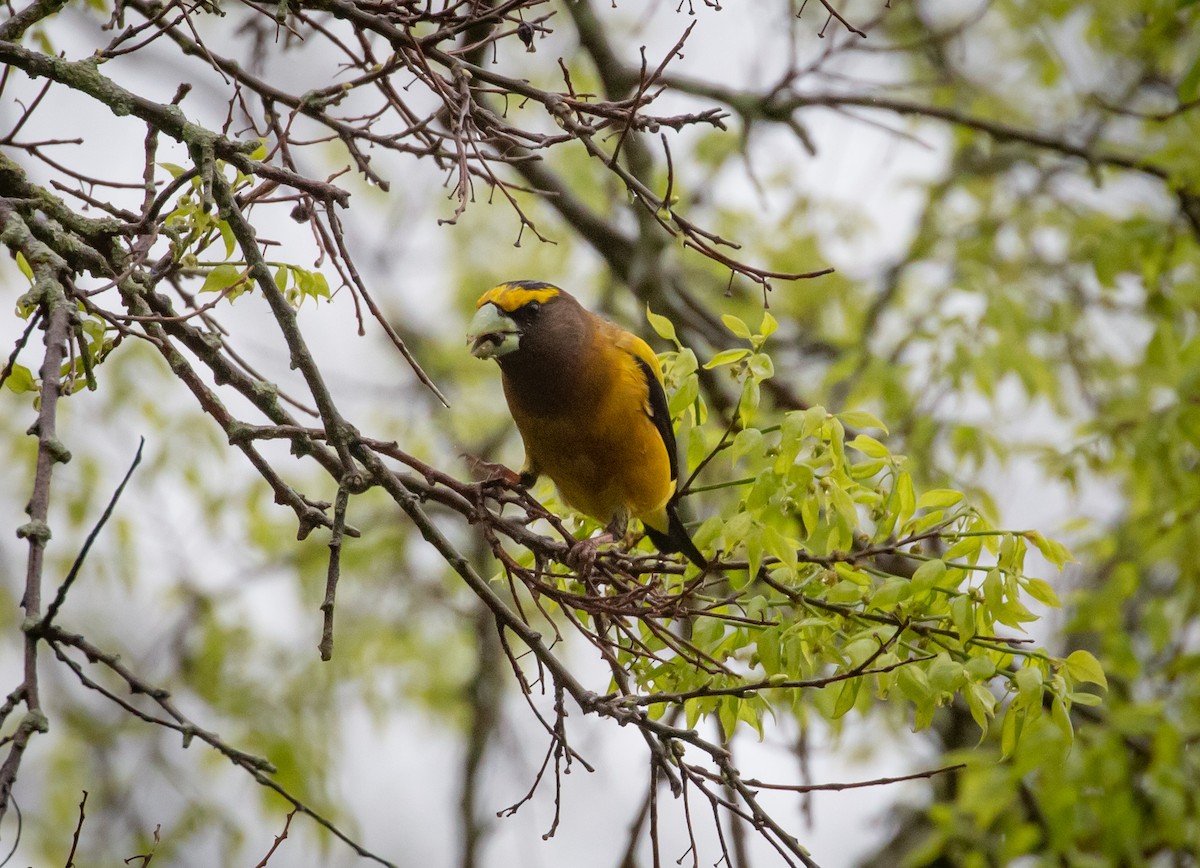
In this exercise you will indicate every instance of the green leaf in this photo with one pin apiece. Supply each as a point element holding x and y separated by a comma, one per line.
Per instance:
<point>810,513</point>
<point>227,236</point>
<point>1010,731</point>
<point>748,404</point>
<point>728,714</point>
<point>869,446</point>
<point>867,469</point>
<point>662,326</point>
<point>980,668</point>
<point>814,421</point>
<point>1029,684</point>
<point>782,547</point>
<point>928,520</point>
<point>749,712</point>
<point>846,571</point>
<point>768,648</point>
<point>1061,719</point>
<point>893,592</point>
<point>754,552</point>
<point>928,575</point>
<point>1041,591</point>
<point>962,613</point>
<point>968,547</point>
<point>834,434</point>
<point>993,590</point>
<point>861,419</point>
<point>769,324</point>
<point>907,496</point>
<point>221,277</point>
<point>1083,666</point>
<point>744,442</point>
<point>726,357</point>
<point>736,325</point>
<point>685,363</point>
<point>844,592</point>
<point>913,683</point>
<point>23,265</point>
<point>846,697</point>
<point>320,285</point>
<point>1013,613</point>
<point>1053,551</point>
<point>791,430</point>
<point>843,505</point>
<point>761,366</point>
<point>684,396</point>
<point>93,328</point>
<point>21,379</point>
<point>982,704</point>
<point>174,170</point>
<point>304,282</point>
<point>946,674</point>
<point>939,498</point>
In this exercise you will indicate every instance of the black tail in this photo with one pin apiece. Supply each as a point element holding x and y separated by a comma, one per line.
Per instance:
<point>676,539</point>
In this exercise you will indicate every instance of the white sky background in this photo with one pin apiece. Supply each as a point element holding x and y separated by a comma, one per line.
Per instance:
<point>400,779</point>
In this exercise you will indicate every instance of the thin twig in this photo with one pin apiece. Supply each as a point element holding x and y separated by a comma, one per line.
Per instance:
<point>334,571</point>
<point>279,839</point>
<point>10,365</point>
<point>78,830</point>
<point>61,596</point>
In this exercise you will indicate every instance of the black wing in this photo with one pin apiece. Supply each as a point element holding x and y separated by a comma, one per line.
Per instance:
<point>676,539</point>
<point>660,414</point>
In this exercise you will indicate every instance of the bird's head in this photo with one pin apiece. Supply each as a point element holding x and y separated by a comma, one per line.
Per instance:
<point>511,315</point>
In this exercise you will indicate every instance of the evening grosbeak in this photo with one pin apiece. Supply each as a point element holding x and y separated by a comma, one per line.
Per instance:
<point>588,400</point>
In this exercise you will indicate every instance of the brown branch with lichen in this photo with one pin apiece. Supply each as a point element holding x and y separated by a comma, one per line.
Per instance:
<point>49,295</point>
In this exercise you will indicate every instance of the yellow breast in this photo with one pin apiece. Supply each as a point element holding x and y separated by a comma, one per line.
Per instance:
<point>603,451</point>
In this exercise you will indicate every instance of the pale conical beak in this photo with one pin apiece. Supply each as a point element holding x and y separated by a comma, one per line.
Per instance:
<point>492,333</point>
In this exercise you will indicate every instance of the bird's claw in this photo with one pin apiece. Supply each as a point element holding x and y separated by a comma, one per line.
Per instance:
<point>490,473</point>
<point>581,557</point>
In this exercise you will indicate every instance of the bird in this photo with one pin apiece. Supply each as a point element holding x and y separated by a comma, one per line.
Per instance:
<point>587,398</point>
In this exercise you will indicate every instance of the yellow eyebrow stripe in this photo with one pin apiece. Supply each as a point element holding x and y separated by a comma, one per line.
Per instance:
<point>511,296</point>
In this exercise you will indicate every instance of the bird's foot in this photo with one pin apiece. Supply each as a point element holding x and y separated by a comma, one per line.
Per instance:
<point>490,473</point>
<point>581,557</point>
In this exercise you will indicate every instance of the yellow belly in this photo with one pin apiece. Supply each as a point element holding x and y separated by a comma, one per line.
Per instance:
<point>606,457</point>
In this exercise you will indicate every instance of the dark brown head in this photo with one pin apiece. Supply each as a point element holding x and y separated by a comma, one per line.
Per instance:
<point>538,334</point>
<point>529,321</point>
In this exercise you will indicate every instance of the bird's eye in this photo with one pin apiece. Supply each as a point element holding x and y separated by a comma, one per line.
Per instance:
<point>533,307</point>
